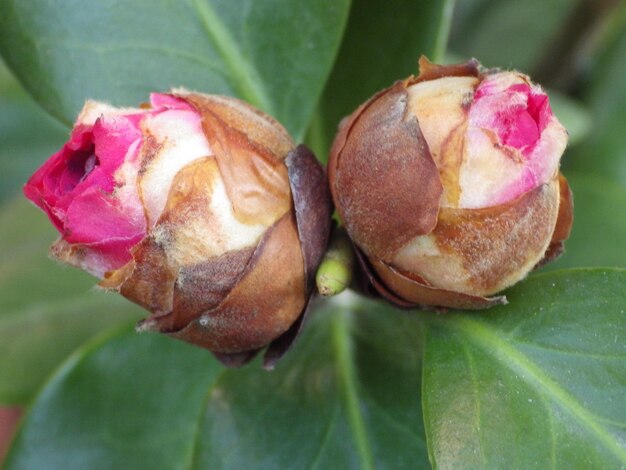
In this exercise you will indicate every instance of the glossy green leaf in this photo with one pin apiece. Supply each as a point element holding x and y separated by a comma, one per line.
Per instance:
<point>382,44</point>
<point>508,33</point>
<point>276,54</point>
<point>599,230</point>
<point>27,135</point>
<point>347,396</point>
<point>538,383</point>
<point>46,311</point>
<point>604,153</point>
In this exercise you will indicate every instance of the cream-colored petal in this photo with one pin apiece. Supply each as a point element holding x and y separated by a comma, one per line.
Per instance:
<point>92,110</point>
<point>199,222</point>
<point>179,141</point>
<point>440,107</point>
<point>486,169</point>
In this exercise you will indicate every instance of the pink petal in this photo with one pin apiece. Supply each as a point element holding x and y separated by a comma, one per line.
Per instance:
<point>518,115</point>
<point>518,129</point>
<point>102,221</point>
<point>44,188</point>
<point>159,100</point>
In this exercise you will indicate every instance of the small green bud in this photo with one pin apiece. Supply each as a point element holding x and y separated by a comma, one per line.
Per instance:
<point>335,271</point>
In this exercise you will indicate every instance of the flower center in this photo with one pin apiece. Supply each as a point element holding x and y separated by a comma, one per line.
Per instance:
<point>79,166</point>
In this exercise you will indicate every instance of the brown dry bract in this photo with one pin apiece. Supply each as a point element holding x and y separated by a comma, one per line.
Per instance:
<point>564,223</point>
<point>256,310</point>
<point>313,207</point>
<point>415,292</point>
<point>249,147</point>
<point>430,71</point>
<point>418,293</point>
<point>516,232</point>
<point>380,165</point>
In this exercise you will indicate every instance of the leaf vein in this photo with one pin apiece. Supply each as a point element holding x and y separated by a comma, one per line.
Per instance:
<point>244,76</point>
<point>347,377</point>
<point>325,440</point>
<point>514,359</point>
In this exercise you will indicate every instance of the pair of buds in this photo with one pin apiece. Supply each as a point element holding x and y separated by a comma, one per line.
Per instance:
<point>204,211</point>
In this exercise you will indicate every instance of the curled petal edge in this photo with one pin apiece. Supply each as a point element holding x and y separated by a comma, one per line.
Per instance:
<point>383,278</point>
<point>313,207</point>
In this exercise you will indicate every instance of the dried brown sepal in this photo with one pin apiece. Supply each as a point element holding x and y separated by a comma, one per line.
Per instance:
<point>313,210</point>
<point>430,71</point>
<point>415,290</point>
<point>564,223</point>
<point>241,322</point>
<point>140,278</point>
<point>235,360</point>
<point>277,348</point>
<point>367,283</point>
<point>249,147</point>
<point>313,207</point>
<point>202,286</point>
<point>407,184</point>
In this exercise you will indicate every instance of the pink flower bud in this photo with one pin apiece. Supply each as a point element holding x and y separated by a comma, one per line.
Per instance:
<point>199,208</point>
<point>448,184</point>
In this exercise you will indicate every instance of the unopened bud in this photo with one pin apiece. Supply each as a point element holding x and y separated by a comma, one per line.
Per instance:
<point>448,184</point>
<point>199,208</point>
<point>335,271</point>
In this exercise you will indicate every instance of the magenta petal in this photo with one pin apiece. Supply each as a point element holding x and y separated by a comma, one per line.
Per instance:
<point>539,109</point>
<point>522,131</point>
<point>96,218</point>
<point>517,115</point>
<point>113,136</point>
<point>44,186</point>
<point>159,100</point>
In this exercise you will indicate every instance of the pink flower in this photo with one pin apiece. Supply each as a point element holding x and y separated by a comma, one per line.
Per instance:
<point>89,188</point>
<point>516,114</point>
<point>493,137</point>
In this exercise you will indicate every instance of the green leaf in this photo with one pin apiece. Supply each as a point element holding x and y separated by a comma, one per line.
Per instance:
<point>382,44</point>
<point>604,152</point>
<point>599,229</point>
<point>538,383</point>
<point>45,311</point>
<point>27,135</point>
<point>275,54</point>
<point>508,33</point>
<point>347,396</point>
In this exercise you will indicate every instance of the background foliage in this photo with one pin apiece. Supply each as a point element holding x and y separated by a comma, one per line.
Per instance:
<point>537,383</point>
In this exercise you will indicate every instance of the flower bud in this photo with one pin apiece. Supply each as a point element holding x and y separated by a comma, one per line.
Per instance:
<point>199,208</point>
<point>448,185</point>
